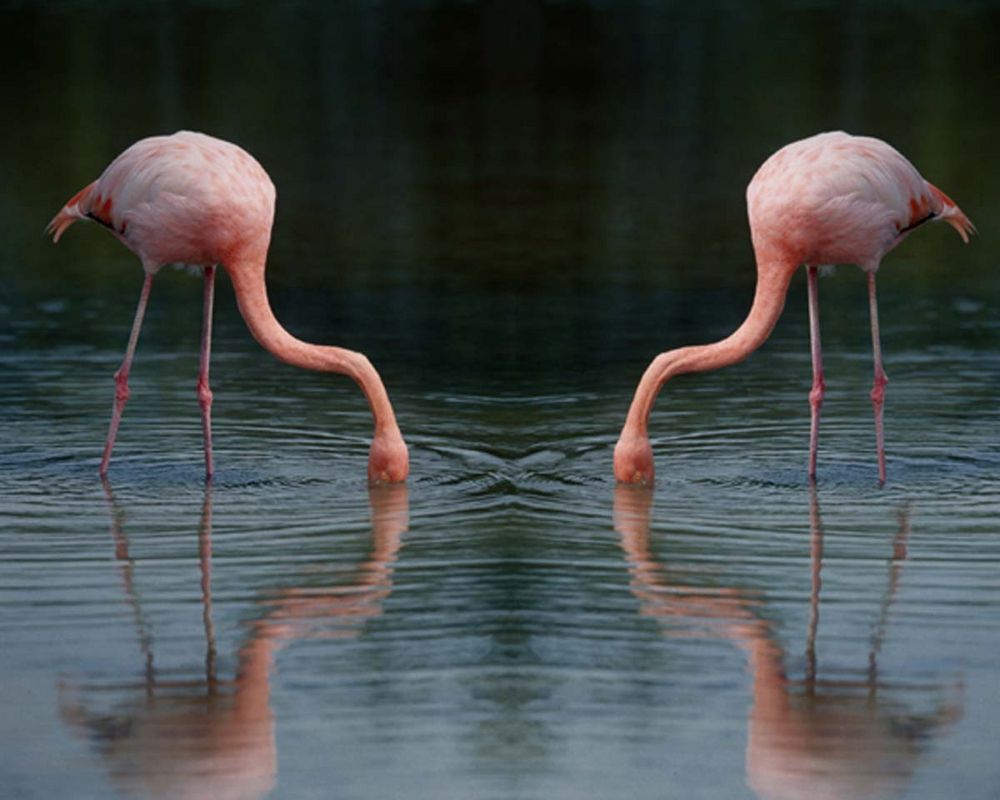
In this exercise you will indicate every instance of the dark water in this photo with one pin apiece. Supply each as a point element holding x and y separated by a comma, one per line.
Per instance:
<point>511,207</point>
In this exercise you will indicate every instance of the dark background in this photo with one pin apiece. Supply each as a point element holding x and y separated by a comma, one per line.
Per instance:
<point>510,207</point>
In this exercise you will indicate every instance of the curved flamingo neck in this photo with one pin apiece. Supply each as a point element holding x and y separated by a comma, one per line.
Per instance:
<point>247,274</point>
<point>773,278</point>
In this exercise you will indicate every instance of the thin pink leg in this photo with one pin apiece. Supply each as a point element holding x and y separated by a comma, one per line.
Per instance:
<point>818,386</point>
<point>204,392</point>
<point>878,388</point>
<point>121,376</point>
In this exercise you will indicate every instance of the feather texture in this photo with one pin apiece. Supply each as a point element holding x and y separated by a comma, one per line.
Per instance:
<point>186,198</point>
<point>840,199</point>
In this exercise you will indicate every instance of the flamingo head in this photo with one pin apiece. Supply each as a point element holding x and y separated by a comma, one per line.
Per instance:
<point>389,460</point>
<point>634,459</point>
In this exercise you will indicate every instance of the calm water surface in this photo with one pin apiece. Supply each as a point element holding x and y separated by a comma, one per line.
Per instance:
<point>511,208</point>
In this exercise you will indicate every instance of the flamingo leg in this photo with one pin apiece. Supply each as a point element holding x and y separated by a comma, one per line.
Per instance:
<point>818,385</point>
<point>878,387</point>
<point>121,376</point>
<point>204,391</point>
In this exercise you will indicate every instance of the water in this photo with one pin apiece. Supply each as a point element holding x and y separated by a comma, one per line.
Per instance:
<point>511,208</point>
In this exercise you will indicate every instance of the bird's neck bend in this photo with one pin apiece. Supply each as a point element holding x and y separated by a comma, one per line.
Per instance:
<point>773,278</point>
<point>247,275</point>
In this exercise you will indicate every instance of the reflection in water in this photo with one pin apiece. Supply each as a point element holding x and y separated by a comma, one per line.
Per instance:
<point>814,738</point>
<point>210,738</point>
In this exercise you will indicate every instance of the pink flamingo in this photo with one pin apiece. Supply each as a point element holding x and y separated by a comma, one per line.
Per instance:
<point>193,199</point>
<point>829,199</point>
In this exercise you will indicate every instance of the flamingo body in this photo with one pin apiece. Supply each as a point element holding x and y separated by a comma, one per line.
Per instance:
<point>197,200</point>
<point>841,199</point>
<point>187,198</point>
<point>830,199</point>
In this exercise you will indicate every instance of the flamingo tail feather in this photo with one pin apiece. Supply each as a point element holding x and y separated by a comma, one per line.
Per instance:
<point>953,215</point>
<point>74,210</point>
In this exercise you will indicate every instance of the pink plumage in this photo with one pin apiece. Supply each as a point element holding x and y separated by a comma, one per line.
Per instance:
<point>193,199</point>
<point>187,198</point>
<point>840,199</point>
<point>829,199</point>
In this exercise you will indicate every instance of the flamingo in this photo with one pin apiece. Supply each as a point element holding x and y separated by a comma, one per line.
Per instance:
<point>832,198</point>
<point>201,201</point>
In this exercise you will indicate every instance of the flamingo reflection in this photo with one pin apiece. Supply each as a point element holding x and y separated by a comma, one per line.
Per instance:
<point>212,738</point>
<point>813,738</point>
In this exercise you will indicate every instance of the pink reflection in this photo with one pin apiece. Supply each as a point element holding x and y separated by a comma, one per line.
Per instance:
<point>215,739</point>
<point>812,738</point>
